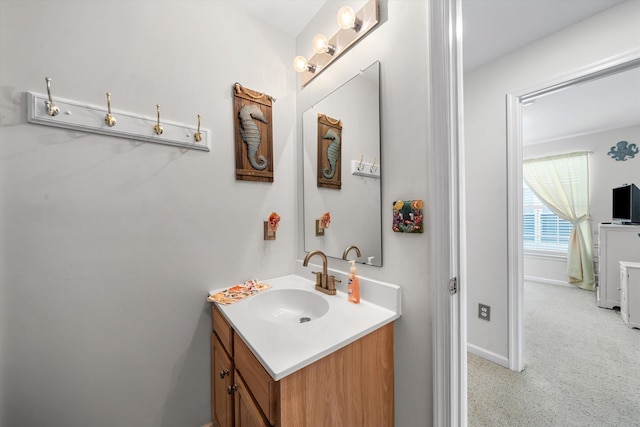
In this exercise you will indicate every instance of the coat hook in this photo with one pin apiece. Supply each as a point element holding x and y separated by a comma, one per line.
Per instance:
<point>198,136</point>
<point>373,166</point>
<point>52,109</point>
<point>360,165</point>
<point>109,119</point>
<point>157,128</point>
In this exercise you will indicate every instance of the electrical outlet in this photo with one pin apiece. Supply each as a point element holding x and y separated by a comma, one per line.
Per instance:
<point>484,312</point>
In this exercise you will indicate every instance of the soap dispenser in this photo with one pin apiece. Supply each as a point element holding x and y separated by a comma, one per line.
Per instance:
<point>353,287</point>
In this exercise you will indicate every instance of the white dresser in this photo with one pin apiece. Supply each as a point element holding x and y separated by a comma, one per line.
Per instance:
<point>616,243</point>
<point>630,293</point>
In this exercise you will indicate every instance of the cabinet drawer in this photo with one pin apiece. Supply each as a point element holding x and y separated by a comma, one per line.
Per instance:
<point>264,389</point>
<point>222,328</point>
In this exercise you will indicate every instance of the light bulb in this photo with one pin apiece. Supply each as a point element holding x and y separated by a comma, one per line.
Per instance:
<point>321,45</point>
<point>301,65</point>
<point>347,18</point>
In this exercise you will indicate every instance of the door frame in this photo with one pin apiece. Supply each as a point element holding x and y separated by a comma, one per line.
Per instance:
<point>447,210</point>
<point>515,250</point>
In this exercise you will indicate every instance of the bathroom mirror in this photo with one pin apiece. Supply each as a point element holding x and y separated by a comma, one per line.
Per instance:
<point>354,205</point>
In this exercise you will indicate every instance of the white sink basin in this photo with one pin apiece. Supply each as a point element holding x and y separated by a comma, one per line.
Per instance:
<point>288,306</point>
<point>269,322</point>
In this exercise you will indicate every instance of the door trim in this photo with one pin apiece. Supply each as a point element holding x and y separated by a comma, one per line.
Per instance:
<point>447,211</point>
<point>515,250</point>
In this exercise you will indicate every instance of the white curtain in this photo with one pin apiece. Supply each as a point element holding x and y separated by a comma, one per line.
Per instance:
<point>562,184</point>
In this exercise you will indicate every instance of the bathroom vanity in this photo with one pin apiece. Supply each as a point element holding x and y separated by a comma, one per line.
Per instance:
<point>335,369</point>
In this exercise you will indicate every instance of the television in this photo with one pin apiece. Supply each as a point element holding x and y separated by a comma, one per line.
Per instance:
<point>626,204</point>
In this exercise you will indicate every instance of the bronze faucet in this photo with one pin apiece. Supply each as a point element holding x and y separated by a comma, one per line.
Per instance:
<point>348,248</point>
<point>324,282</point>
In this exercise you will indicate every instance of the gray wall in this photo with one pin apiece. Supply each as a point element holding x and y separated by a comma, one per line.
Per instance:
<point>607,34</point>
<point>604,174</point>
<point>405,156</point>
<point>110,245</point>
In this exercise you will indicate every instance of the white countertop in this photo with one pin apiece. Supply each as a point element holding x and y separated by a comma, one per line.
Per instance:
<point>284,348</point>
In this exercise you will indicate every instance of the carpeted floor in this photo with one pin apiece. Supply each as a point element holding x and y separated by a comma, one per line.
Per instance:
<point>582,367</point>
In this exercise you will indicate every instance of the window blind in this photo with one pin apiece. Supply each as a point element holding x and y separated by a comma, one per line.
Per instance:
<point>542,230</point>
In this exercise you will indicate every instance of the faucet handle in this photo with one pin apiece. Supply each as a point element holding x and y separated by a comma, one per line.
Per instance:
<point>331,283</point>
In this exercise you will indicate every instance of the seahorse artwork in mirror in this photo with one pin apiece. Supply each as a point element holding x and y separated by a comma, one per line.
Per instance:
<point>333,150</point>
<point>329,152</point>
<point>254,135</point>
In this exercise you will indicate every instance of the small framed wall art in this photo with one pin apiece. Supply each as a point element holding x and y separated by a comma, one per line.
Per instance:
<point>407,216</point>
<point>253,134</point>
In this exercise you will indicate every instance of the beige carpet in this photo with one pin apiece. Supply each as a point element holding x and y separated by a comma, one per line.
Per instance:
<point>582,367</point>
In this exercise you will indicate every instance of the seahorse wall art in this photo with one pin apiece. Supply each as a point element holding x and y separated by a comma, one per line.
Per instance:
<point>251,134</point>
<point>333,151</point>
<point>622,150</point>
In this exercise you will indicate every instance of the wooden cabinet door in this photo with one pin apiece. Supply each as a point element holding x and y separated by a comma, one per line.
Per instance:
<point>221,384</point>
<point>248,413</point>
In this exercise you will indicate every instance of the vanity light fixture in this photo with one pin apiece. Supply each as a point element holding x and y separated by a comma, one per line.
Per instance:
<point>352,27</point>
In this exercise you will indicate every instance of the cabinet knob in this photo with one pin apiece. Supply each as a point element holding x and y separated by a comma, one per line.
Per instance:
<point>224,373</point>
<point>232,388</point>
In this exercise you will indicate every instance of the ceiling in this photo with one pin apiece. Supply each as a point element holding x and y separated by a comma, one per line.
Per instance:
<point>598,105</point>
<point>494,28</point>
<point>290,16</point>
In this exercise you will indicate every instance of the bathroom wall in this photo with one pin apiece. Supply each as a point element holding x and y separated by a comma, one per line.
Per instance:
<point>609,33</point>
<point>604,174</point>
<point>405,154</point>
<point>109,246</point>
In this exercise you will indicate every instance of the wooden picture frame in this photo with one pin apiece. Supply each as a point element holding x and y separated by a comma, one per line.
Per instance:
<point>253,134</point>
<point>329,168</point>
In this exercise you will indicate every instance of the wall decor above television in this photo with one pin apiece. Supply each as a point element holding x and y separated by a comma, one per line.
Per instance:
<point>622,150</point>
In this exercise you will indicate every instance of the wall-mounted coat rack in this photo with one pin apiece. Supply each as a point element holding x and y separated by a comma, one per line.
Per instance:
<point>58,112</point>
<point>370,170</point>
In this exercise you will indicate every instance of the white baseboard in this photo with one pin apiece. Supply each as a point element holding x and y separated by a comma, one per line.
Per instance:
<point>549,281</point>
<point>490,356</point>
